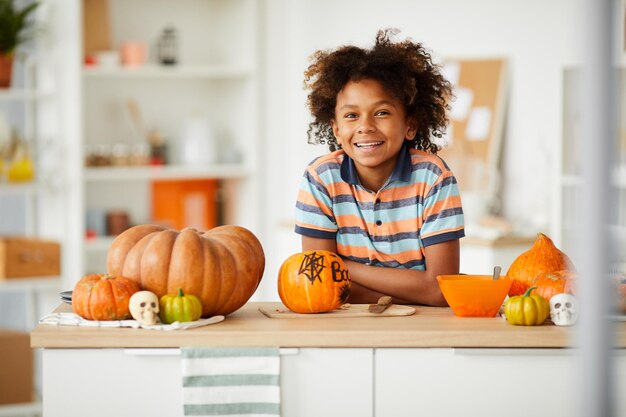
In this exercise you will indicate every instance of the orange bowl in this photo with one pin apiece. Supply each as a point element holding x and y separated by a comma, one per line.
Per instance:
<point>474,295</point>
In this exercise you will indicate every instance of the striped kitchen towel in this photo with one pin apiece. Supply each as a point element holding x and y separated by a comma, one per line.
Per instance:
<point>231,381</point>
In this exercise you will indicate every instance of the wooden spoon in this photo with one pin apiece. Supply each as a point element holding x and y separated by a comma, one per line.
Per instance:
<point>383,303</point>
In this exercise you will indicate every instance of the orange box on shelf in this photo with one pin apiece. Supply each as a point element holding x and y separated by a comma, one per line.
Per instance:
<point>185,203</point>
<point>16,367</point>
<point>22,257</point>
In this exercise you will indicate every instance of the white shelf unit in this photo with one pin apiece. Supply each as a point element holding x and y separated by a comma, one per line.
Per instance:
<point>50,283</point>
<point>32,109</point>
<point>37,105</point>
<point>27,409</point>
<point>29,188</point>
<point>98,244</point>
<point>113,175</point>
<point>15,94</point>
<point>164,172</point>
<point>173,72</point>
<point>23,101</point>
<point>216,77</point>
<point>33,288</point>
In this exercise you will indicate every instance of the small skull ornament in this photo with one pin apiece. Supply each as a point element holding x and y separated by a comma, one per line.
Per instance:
<point>564,309</point>
<point>144,307</point>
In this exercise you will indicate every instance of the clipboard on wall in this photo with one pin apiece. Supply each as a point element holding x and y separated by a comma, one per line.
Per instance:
<point>473,141</point>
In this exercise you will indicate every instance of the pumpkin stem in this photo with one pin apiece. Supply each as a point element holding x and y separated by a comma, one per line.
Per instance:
<point>107,276</point>
<point>180,292</point>
<point>527,293</point>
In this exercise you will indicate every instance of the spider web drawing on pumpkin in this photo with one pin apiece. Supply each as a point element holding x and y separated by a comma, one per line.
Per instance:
<point>312,266</point>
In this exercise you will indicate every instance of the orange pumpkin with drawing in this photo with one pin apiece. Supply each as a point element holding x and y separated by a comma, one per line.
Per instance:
<point>313,282</point>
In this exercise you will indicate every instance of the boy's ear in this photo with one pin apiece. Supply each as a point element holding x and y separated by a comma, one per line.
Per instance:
<point>333,125</point>
<point>411,129</point>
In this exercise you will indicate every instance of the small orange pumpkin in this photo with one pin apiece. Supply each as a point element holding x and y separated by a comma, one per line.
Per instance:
<point>550,284</point>
<point>542,257</point>
<point>103,297</point>
<point>313,282</point>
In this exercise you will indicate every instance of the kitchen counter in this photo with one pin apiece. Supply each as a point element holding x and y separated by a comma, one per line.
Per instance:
<point>393,366</point>
<point>432,327</point>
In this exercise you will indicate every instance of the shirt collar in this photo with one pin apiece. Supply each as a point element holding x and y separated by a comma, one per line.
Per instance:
<point>401,172</point>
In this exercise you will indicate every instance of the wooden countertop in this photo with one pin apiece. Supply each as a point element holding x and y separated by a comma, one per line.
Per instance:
<point>428,327</point>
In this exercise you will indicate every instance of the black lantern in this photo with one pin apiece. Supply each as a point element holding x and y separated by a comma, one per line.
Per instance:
<point>168,46</point>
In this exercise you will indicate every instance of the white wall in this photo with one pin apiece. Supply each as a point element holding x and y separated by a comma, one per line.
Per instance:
<point>537,37</point>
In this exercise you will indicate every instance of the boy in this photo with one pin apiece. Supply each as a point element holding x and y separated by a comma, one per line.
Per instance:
<point>381,199</point>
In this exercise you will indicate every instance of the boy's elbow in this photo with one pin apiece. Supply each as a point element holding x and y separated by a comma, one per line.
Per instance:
<point>435,299</point>
<point>438,298</point>
<point>432,298</point>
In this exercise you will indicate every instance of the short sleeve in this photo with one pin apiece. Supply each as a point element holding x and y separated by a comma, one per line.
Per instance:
<point>314,213</point>
<point>443,214</point>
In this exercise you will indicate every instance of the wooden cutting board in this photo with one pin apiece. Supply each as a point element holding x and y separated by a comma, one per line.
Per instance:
<point>351,310</point>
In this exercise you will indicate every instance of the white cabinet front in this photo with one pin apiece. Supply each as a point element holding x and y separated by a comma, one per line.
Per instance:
<point>147,382</point>
<point>474,382</point>
<point>111,382</point>
<point>331,382</point>
<point>327,382</point>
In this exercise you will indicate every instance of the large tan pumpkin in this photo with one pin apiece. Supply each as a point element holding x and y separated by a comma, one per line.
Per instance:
<point>222,266</point>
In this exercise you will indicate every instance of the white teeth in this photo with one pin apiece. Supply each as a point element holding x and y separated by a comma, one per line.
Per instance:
<point>368,145</point>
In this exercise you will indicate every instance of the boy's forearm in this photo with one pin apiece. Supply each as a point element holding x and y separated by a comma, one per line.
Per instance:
<point>406,286</point>
<point>362,295</point>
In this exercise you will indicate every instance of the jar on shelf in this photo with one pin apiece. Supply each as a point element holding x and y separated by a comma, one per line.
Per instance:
<point>167,46</point>
<point>101,155</point>
<point>120,154</point>
<point>90,157</point>
<point>20,165</point>
<point>140,154</point>
<point>158,148</point>
<point>117,222</point>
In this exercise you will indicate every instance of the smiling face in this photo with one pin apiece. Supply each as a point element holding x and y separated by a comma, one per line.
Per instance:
<point>371,126</point>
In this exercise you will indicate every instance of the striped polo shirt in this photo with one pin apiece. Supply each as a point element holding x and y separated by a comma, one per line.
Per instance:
<point>418,206</point>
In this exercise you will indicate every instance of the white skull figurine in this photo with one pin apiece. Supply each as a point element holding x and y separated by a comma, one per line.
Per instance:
<point>564,309</point>
<point>144,307</point>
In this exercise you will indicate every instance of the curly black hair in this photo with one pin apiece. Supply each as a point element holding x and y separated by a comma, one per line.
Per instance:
<point>405,70</point>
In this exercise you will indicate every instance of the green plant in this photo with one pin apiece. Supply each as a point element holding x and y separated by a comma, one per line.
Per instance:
<point>13,25</point>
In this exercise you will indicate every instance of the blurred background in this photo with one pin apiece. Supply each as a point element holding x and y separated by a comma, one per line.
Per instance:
<point>191,113</point>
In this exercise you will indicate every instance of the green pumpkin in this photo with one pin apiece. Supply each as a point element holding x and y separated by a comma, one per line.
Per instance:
<point>179,307</point>
<point>527,310</point>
